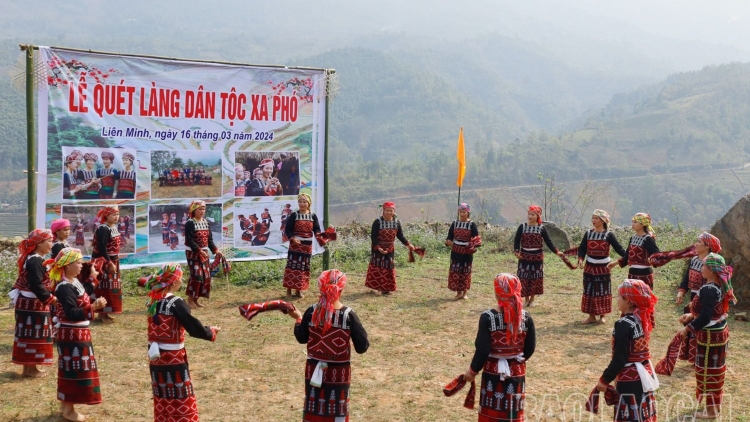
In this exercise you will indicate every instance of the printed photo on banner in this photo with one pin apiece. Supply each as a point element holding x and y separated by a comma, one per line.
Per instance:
<point>96,174</point>
<point>260,223</point>
<point>83,224</point>
<point>166,226</point>
<point>182,174</point>
<point>266,173</point>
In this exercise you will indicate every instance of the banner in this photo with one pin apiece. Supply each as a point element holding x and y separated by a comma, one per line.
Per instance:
<point>151,135</point>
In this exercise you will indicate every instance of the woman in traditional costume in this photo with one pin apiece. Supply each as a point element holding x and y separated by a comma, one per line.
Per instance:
<point>60,229</point>
<point>597,285</point>
<point>77,373</point>
<point>89,178</point>
<point>271,184</point>
<point>126,179</point>
<point>168,318</point>
<point>381,273</point>
<point>528,249</point>
<point>199,240</point>
<point>107,176</point>
<point>631,364</point>
<point>72,185</point>
<point>107,242</point>
<point>707,321</point>
<point>505,340</point>
<point>301,228</point>
<point>327,328</point>
<point>80,227</point>
<point>463,239</point>
<point>32,297</point>
<point>641,245</point>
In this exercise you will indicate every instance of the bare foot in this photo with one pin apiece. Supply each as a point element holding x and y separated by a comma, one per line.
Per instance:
<point>32,371</point>
<point>386,293</point>
<point>198,304</point>
<point>705,414</point>
<point>191,303</point>
<point>301,294</point>
<point>288,292</point>
<point>589,320</point>
<point>377,292</point>
<point>70,413</point>
<point>465,296</point>
<point>602,320</point>
<point>526,302</point>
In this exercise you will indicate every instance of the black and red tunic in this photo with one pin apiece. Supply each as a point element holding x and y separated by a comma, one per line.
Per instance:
<point>70,181</point>
<point>108,177</point>
<point>126,184</point>
<point>80,240</point>
<point>92,191</point>
<point>302,227</point>
<point>77,373</point>
<point>693,278</point>
<point>171,384</point>
<point>107,242</point>
<point>198,238</point>
<point>462,255</point>
<point>597,286</point>
<point>638,250</point>
<point>503,388</point>
<point>630,349</point>
<point>32,342</point>
<point>165,231</point>
<point>528,244</point>
<point>329,401</point>
<point>381,273</point>
<point>240,187</point>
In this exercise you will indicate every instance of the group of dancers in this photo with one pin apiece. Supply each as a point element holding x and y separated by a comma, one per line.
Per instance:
<point>123,226</point>
<point>257,231</point>
<point>98,182</point>
<point>189,176</point>
<point>504,342</point>
<point>169,228</point>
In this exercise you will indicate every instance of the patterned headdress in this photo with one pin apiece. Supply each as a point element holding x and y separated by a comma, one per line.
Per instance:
<point>246,174</point>
<point>108,155</point>
<point>102,215</point>
<point>128,156</point>
<point>331,283</point>
<point>257,172</point>
<point>716,263</point>
<point>74,155</point>
<point>266,162</point>
<point>194,206</point>
<point>464,206</point>
<point>63,258</point>
<point>306,197</point>
<point>157,284</point>
<point>508,294</point>
<point>603,215</point>
<point>90,156</point>
<point>28,245</point>
<point>58,225</point>
<point>713,242</point>
<point>239,168</point>
<point>536,209</point>
<point>645,219</point>
<point>640,295</point>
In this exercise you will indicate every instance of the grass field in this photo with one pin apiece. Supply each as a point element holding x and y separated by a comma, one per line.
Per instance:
<point>419,340</point>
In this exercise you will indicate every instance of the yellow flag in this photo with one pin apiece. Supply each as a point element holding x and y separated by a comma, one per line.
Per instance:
<point>461,156</point>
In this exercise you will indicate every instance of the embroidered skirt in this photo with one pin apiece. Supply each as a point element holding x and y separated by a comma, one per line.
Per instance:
<point>297,271</point>
<point>330,401</point>
<point>502,400</point>
<point>597,290</point>
<point>459,274</point>
<point>634,404</point>
<point>172,388</point>
<point>381,273</point>
<point>110,288</point>
<point>710,363</point>
<point>77,373</point>
<point>199,284</point>
<point>32,342</point>
<point>531,273</point>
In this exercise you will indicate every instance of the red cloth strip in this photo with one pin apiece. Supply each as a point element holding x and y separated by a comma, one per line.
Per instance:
<point>418,251</point>
<point>611,398</point>
<point>326,236</point>
<point>220,263</point>
<point>456,385</point>
<point>250,310</point>
<point>663,258</point>
<point>566,254</point>
<point>666,365</point>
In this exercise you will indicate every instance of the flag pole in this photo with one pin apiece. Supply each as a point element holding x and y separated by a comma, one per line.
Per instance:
<point>461,156</point>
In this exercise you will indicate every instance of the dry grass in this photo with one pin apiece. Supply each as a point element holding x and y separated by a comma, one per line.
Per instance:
<point>419,338</point>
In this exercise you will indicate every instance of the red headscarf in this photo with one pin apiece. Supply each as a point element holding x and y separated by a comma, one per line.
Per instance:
<point>28,245</point>
<point>389,204</point>
<point>713,242</point>
<point>58,225</point>
<point>640,295</point>
<point>331,283</point>
<point>102,215</point>
<point>536,209</point>
<point>508,294</point>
